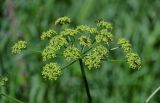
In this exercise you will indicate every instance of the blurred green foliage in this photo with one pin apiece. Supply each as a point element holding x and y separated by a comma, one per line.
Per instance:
<point>136,20</point>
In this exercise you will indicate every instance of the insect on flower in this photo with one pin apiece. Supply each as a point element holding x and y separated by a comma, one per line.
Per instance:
<point>85,40</point>
<point>98,20</point>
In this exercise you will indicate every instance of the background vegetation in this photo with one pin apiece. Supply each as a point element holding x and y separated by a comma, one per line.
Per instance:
<point>136,20</point>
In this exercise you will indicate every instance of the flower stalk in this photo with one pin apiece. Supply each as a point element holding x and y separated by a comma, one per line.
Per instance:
<point>85,81</point>
<point>152,95</point>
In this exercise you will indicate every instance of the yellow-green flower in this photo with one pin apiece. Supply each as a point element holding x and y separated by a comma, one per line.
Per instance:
<point>125,45</point>
<point>93,60</point>
<point>100,50</point>
<point>63,20</point>
<point>19,46</point>
<point>104,25</point>
<point>48,34</point>
<point>51,71</point>
<point>58,41</point>
<point>86,28</point>
<point>133,60</point>
<point>85,41</point>
<point>69,32</point>
<point>71,52</point>
<point>105,33</point>
<point>54,45</point>
<point>103,36</point>
<point>49,52</point>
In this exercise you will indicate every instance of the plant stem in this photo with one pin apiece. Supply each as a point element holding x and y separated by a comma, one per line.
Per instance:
<point>114,48</point>
<point>69,64</point>
<point>117,60</point>
<point>34,51</point>
<point>155,91</point>
<point>11,98</point>
<point>112,60</point>
<point>85,81</point>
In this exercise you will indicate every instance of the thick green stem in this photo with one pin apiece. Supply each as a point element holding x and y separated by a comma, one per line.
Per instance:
<point>85,81</point>
<point>11,98</point>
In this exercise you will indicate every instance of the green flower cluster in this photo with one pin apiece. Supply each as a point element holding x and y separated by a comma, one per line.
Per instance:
<point>48,34</point>
<point>103,36</point>
<point>51,71</point>
<point>58,41</point>
<point>71,52</point>
<point>17,47</point>
<point>49,52</point>
<point>3,80</point>
<point>100,51</point>
<point>133,59</point>
<point>105,25</point>
<point>85,41</point>
<point>85,28</point>
<point>54,45</point>
<point>62,21</point>
<point>93,60</point>
<point>69,32</point>
<point>125,45</point>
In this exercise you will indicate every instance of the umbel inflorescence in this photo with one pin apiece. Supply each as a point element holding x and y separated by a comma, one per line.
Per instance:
<point>83,42</point>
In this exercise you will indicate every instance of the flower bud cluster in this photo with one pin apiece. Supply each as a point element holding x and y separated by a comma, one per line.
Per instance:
<point>54,45</point>
<point>69,32</point>
<point>62,21</point>
<point>133,59</point>
<point>104,25</point>
<point>48,34</point>
<point>86,28</point>
<point>85,41</point>
<point>125,45</point>
<point>19,46</point>
<point>93,60</point>
<point>51,71</point>
<point>103,36</point>
<point>71,52</point>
